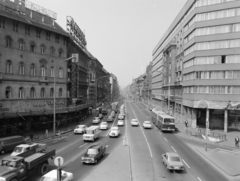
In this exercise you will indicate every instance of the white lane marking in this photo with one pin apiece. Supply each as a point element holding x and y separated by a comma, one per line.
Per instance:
<point>174,149</point>
<point>160,133</point>
<point>143,134</point>
<point>165,139</point>
<point>185,163</point>
<point>67,146</point>
<point>82,145</point>
<point>199,179</point>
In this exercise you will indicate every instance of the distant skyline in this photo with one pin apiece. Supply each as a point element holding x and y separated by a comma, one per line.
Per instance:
<point>121,34</point>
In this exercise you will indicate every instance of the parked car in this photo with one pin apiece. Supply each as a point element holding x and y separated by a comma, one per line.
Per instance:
<point>134,122</point>
<point>96,120</point>
<point>104,125</point>
<point>120,123</point>
<point>172,161</point>
<point>114,132</point>
<point>80,129</point>
<point>93,154</point>
<point>40,147</point>
<point>52,176</point>
<point>147,124</point>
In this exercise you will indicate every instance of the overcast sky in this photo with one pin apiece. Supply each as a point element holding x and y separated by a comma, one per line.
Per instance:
<point>121,34</point>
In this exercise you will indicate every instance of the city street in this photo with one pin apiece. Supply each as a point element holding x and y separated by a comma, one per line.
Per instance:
<point>147,146</point>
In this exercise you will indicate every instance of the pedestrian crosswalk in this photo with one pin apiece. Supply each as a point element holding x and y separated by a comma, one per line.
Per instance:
<point>233,152</point>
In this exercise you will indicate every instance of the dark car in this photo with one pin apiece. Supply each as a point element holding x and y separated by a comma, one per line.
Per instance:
<point>94,154</point>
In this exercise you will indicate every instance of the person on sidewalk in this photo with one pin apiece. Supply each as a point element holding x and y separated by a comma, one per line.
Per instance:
<point>186,123</point>
<point>237,141</point>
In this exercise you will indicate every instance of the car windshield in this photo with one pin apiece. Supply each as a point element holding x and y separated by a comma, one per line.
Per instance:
<point>147,122</point>
<point>174,159</point>
<point>114,129</point>
<point>96,118</point>
<point>168,120</point>
<point>92,151</point>
<point>134,120</point>
<point>104,123</point>
<point>18,150</point>
<point>48,179</point>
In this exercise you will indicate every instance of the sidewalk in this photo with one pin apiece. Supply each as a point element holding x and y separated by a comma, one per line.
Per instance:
<point>115,167</point>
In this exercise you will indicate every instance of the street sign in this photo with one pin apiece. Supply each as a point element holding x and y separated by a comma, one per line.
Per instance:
<point>58,161</point>
<point>75,58</point>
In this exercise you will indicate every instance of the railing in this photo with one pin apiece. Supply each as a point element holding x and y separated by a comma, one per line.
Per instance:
<point>200,132</point>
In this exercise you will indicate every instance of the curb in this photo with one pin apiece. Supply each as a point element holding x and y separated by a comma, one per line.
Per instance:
<point>217,165</point>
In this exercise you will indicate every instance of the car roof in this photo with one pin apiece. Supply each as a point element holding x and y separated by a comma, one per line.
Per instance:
<point>134,119</point>
<point>95,146</point>
<point>115,127</point>
<point>172,154</point>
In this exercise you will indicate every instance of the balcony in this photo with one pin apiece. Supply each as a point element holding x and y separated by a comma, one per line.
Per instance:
<point>43,79</point>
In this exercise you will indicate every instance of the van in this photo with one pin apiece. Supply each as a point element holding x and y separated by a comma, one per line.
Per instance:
<point>9,143</point>
<point>92,133</point>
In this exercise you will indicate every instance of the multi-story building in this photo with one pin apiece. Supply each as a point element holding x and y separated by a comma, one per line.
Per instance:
<point>32,45</point>
<point>196,64</point>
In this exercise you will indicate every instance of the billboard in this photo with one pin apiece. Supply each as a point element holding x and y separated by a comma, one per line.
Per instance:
<point>75,32</point>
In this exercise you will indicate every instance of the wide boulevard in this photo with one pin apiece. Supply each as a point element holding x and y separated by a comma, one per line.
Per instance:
<point>146,149</point>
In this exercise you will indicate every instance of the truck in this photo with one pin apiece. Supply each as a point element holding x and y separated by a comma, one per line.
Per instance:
<point>114,107</point>
<point>17,168</point>
<point>93,154</point>
<point>40,147</point>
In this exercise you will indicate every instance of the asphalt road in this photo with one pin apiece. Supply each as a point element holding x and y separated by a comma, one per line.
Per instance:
<point>72,147</point>
<point>147,147</point>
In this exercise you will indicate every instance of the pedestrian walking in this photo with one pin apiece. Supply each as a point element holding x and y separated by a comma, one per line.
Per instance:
<point>237,141</point>
<point>31,136</point>
<point>186,123</point>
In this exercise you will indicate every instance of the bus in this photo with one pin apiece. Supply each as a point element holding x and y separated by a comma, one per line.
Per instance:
<point>163,121</point>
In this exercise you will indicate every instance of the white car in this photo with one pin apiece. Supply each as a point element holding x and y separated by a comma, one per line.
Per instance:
<point>172,161</point>
<point>80,129</point>
<point>52,176</point>
<point>120,116</point>
<point>120,123</point>
<point>114,132</point>
<point>134,122</point>
<point>40,147</point>
<point>104,125</point>
<point>96,120</point>
<point>147,124</point>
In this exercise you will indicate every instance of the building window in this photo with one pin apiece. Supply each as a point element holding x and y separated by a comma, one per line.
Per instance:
<point>15,26</point>
<point>9,67</point>
<point>21,68</point>
<point>2,22</point>
<point>60,73</point>
<point>43,48</point>
<point>8,93</point>
<point>32,47</point>
<point>8,41</point>
<point>42,93</point>
<point>48,35</point>
<point>27,30</point>
<point>57,37</point>
<point>60,52</point>
<point>52,72</point>
<point>33,70</point>
<point>38,33</point>
<point>51,92</point>
<point>21,44</point>
<point>32,92</point>
<point>60,92</point>
<point>43,71</point>
<point>21,92</point>
<point>64,41</point>
<point>52,50</point>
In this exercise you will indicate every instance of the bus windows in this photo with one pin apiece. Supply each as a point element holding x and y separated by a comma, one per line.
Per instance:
<point>168,121</point>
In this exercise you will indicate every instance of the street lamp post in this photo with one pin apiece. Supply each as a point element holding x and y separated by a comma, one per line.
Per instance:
<point>54,95</point>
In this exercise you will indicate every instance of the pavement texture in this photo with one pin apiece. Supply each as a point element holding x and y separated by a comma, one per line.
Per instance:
<point>115,168</point>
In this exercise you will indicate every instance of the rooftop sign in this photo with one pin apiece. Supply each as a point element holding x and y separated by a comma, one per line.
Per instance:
<point>75,32</point>
<point>40,9</point>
